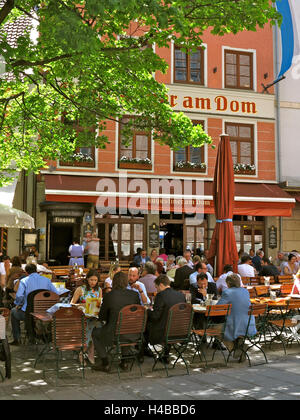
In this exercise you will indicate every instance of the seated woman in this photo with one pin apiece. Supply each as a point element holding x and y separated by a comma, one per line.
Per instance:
<point>114,268</point>
<point>90,289</point>
<point>291,266</point>
<point>237,321</point>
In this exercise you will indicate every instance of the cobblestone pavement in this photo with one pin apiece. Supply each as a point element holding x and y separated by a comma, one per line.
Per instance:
<point>279,379</point>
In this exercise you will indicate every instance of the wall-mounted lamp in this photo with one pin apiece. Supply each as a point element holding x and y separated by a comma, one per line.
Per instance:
<point>215,69</point>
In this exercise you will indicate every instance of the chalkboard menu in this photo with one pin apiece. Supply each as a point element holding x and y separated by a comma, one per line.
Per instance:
<point>153,235</point>
<point>272,237</point>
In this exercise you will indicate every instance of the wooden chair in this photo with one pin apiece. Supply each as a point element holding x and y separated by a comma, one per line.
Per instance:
<point>261,291</point>
<point>262,279</point>
<point>252,292</point>
<point>254,281</point>
<point>248,341</point>
<point>131,323</point>
<point>5,355</point>
<point>213,329</point>
<point>68,334</point>
<point>177,334</point>
<point>286,289</point>
<point>285,279</point>
<point>44,300</point>
<point>282,328</point>
<point>246,281</point>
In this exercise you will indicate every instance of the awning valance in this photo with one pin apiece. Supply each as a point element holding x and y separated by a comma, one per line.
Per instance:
<point>188,196</point>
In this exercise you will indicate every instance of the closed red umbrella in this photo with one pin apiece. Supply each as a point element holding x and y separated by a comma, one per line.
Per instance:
<point>223,244</point>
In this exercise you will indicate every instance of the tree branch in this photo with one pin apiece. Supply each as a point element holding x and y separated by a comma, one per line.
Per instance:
<point>6,9</point>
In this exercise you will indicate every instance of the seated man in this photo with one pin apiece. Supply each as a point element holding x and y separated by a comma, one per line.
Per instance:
<point>137,286</point>
<point>182,273</point>
<point>221,282</point>
<point>157,319</point>
<point>113,302</point>
<point>245,269</point>
<point>141,258</point>
<point>199,292</point>
<point>268,269</point>
<point>27,285</point>
<point>200,267</point>
<point>202,288</point>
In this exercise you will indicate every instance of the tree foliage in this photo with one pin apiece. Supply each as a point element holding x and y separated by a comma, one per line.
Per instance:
<point>94,61</point>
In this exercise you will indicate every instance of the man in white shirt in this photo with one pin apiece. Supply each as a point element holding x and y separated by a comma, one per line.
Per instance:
<point>221,282</point>
<point>200,268</point>
<point>245,269</point>
<point>188,256</point>
<point>137,286</point>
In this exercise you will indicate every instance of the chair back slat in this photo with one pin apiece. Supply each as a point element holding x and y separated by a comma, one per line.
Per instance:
<point>286,289</point>
<point>218,310</point>
<point>286,279</point>
<point>252,292</point>
<point>254,281</point>
<point>68,329</point>
<point>246,281</point>
<point>261,290</point>
<point>293,304</point>
<point>179,320</point>
<point>257,309</point>
<point>44,300</point>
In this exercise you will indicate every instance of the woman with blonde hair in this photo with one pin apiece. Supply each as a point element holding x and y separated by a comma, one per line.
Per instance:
<point>114,268</point>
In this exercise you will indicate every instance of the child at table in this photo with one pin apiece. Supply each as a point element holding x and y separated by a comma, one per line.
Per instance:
<point>90,289</point>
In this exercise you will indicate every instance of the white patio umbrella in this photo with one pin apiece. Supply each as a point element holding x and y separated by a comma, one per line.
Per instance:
<point>14,218</point>
<point>9,216</point>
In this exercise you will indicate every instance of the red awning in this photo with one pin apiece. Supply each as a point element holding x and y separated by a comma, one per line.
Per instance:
<point>251,199</point>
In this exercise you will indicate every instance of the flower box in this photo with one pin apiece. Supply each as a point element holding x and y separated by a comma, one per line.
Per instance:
<point>243,169</point>
<point>135,165</point>
<point>189,169</point>
<point>186,166</point>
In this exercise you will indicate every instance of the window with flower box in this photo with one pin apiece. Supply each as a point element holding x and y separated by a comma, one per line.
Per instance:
<point>137,155</point>
<point>189,158</point>
<point>82,156</point>
<point>242,147</point>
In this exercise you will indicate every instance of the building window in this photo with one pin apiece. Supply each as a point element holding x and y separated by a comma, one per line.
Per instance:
<point>238,70</point>
<point>189,67</point>
<point>242,145</point>
<point>189,158</point>
<point>121,237</point>
<point>82,156</point>
<point>137,155</point>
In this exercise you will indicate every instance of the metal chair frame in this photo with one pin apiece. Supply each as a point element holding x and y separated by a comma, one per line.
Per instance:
<point>177,335</point>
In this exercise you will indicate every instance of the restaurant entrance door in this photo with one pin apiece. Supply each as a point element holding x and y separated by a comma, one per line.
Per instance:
<point>61,237</point>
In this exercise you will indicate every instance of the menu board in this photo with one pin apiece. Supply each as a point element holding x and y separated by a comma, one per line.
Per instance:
<point>153,235</point>
<point>272,237</point>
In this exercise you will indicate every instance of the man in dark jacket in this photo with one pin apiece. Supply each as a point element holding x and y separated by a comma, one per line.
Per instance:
<point>157,319</point>
<point>202,288</point>
<point>268,269</point>
<point>113,302</point>
<point>182,273</point>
